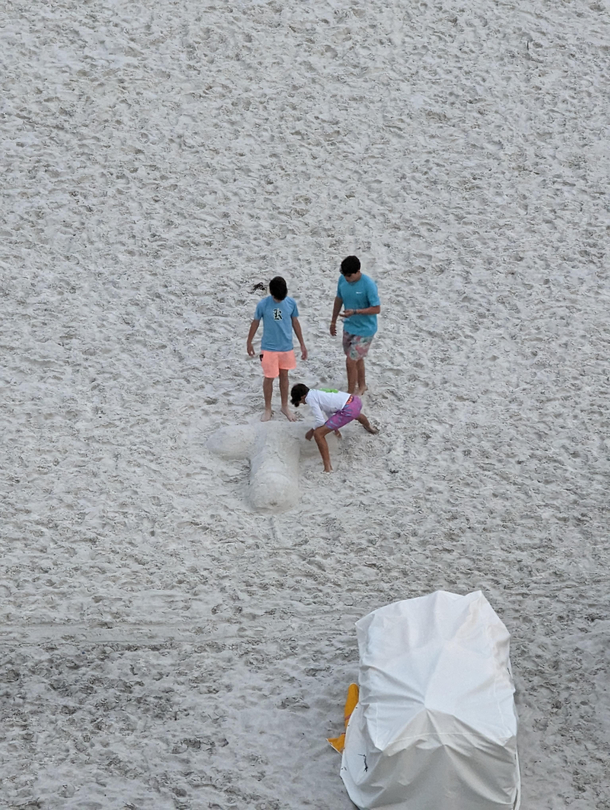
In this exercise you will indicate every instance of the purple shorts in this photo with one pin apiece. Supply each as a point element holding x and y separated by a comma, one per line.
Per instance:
<point>351,410</point>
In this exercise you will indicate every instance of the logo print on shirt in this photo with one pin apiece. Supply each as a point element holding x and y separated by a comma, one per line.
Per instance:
<point>277,314</point>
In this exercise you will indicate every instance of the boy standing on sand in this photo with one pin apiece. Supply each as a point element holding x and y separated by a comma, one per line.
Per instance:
<point>358,293</point>
<point>332,410</point>
<point>279,314</point>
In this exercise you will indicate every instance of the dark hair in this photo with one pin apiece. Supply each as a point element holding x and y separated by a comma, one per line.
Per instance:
<point>298,392</point>
<point>278,288</point>
<point>350,266</point>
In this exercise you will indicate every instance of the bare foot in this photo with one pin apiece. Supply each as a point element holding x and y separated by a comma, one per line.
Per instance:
<point>338,434</point>
<point>290,416</point>
<point>371,429</point>
<point>362,390</point>
<point>328,469</point>
<point>267,415</point>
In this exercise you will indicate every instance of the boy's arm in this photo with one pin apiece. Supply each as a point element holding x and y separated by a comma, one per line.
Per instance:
<point>367,311</point>
<point>336,310</point>
<point>317,413</point>
<point>372,299</point>
<point>372,309</point>
<point>251,333</point>
<point>297,330</point>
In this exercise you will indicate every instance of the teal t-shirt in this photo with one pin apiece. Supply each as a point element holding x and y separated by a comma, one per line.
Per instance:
<point>359,294</point>
<point>277,323</point>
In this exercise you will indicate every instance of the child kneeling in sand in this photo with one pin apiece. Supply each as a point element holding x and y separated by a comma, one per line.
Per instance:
<point>332,410</point>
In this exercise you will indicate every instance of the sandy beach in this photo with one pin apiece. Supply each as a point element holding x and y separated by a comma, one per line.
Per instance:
<point>165,645</point>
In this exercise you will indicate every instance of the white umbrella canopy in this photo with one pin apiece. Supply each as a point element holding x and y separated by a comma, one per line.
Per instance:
<point>435,726</point>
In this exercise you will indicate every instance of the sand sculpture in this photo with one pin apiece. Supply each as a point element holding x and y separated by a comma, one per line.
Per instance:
<point>274,451</point>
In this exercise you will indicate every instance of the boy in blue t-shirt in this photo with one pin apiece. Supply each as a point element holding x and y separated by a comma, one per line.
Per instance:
<point>358,294</point>
<point>279,315</point>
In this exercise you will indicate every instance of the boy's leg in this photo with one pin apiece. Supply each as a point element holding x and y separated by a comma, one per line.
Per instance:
<point>366,424</point>
<point>351,367</point>
<point>360,376</point>
<point>284,384</point>
<point>319,435</point>
<point>268,393</point>
<point>356,348</point>
<point>270,366</point>
<point>351,362</point>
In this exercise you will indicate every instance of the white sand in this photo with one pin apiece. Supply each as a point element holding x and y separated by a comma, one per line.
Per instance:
<point>164,645</point>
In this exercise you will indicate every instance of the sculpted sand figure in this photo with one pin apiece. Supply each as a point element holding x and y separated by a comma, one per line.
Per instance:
<point>274,451</point>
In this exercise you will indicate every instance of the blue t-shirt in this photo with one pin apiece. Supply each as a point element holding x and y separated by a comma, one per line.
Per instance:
<point>360,294</point>
<point>277,323</point>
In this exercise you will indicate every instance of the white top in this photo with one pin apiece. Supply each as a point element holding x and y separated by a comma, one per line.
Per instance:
<point>323,404</point>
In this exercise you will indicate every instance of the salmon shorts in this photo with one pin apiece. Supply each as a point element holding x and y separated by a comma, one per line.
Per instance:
<point>272,362</point>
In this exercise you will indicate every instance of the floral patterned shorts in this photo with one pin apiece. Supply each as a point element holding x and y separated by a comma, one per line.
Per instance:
<point>356,347</point>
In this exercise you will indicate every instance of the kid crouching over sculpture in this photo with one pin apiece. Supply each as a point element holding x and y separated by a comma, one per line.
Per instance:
<point>332,410</point>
